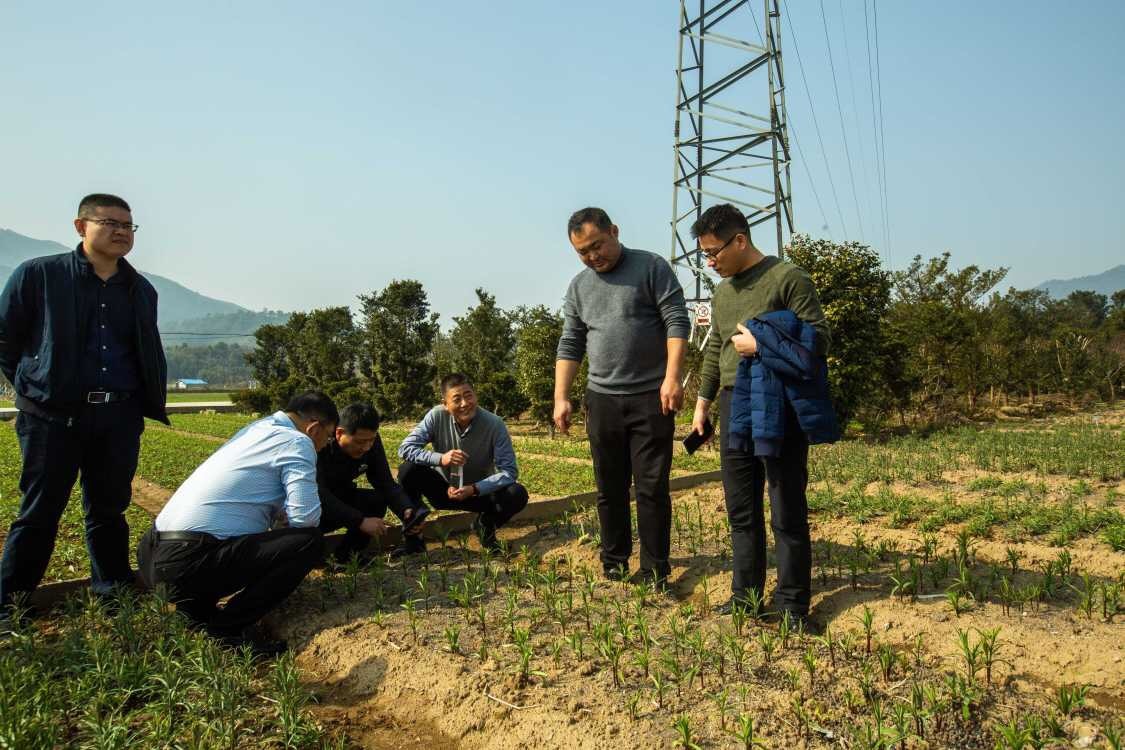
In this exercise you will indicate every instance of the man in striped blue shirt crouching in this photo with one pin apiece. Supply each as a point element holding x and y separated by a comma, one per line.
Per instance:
<point>214,536</point>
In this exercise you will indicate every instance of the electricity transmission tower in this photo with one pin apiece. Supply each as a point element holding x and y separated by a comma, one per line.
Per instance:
<point>726,149</point>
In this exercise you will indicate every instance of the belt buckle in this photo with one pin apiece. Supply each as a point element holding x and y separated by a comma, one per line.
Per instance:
<point>93,397</point>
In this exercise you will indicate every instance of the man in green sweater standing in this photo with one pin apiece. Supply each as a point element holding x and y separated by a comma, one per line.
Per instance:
<point>754,284</point>
<point>626,312</point>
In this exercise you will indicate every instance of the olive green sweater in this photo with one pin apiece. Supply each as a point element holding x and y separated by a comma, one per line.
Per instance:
<point>768,286</point>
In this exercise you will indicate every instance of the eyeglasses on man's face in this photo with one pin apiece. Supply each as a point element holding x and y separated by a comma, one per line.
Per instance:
<point>713,253</point>
<point>114,225</point>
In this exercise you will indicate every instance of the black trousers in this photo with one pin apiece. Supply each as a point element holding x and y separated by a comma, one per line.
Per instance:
<point>369,503</point>
<point>102,444</point>
<point>263,568</point>
<point>631,443</point>
<point>495,509</point>
<point>745,478</point>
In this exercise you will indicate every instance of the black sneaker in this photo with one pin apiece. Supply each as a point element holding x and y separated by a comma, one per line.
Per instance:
<point>416,517</point>
<point>615,573</point>
<point>486,533</point>
<point>728,607</point>
<point>800,622</point>
<point>260,647</point>
<point>647,577</point>
<point>412,544</point>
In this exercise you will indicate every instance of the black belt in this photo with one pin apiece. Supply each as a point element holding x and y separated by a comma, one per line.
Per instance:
<point>182,536</point>
<point>107,397</point>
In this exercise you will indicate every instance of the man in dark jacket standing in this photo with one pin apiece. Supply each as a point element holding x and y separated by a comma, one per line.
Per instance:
<point>754,284</point>
<point>626,311</point>
<point>79,343</point>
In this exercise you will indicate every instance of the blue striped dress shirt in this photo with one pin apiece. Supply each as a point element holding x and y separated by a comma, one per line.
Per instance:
<point>267,467</point>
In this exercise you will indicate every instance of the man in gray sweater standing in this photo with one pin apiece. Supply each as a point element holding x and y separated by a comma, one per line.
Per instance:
<point>626,311</point>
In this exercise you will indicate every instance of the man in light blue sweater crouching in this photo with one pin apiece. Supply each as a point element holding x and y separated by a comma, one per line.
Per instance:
<point>471,466</point>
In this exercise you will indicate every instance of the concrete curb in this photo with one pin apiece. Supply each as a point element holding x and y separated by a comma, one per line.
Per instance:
<point>50,594</point>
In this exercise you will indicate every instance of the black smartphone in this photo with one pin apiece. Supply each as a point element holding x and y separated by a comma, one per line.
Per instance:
<point>694,440</point>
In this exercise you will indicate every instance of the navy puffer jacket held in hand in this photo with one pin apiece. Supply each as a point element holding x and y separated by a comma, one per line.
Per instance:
<point>783,371</point>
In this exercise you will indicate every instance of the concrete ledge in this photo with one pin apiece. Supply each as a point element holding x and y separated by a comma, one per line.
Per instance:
<point>50,594</point>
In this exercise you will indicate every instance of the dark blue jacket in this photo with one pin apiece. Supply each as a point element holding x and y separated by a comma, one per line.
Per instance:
<point>42,328</point>
<point>783,371</point>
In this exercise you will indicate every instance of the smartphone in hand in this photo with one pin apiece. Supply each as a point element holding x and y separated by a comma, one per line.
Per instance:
<point>694,440</point>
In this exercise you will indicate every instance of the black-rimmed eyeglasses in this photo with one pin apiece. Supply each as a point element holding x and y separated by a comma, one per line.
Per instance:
<point>713,254</point>
<point>111,224</point>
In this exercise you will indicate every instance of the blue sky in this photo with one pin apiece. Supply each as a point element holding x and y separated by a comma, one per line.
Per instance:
<point>292,156</point>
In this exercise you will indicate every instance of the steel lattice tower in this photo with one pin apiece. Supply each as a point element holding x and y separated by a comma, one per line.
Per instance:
<point>725,149</point>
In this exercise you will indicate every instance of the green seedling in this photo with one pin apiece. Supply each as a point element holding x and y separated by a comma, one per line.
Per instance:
<point>768,643</point>
<point>970,653</point>
<point>810,662</point>
<point>744,733</point>
<point>887,660</point>
<point>958,602</point>
<point>412,617</point>
<point>721,699</point>
<point>685,738</point>
<point>1070,698</point>
<point>867,619</point>
<point>453,638</point>
<point>660,686</point>
<point>633,705</point>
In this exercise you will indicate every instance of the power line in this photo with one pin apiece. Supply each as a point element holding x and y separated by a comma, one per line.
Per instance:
<point>816,123</point>
<point>792,130</point>
<point>840,111</point>
<point>199,333</point>
<point>875,131</point>
<point>805,163</point>
<point>882,132</point>
<point>855,108</point>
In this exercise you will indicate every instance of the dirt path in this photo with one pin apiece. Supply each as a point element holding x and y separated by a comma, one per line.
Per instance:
<point>149,496</point>
<point>190,434</point>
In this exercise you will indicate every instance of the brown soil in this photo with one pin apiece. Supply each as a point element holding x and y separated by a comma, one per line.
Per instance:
<point>385,689</point>
<point>151,497</point>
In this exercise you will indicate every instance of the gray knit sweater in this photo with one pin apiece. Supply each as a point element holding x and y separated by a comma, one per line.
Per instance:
<point>622,319</point>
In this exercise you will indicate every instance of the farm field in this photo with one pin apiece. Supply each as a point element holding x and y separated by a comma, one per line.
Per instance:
<point>969,587</point>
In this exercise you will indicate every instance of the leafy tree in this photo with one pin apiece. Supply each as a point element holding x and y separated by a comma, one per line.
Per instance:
<point>1082,310</point>
<point>220,364</point>
<point>313,350</point>
<point>855,293</point>
<point>537,341</point>
<point>396,343</point>
<point>483,344</point>
<point>938,314</point>
<point>1017,341</point>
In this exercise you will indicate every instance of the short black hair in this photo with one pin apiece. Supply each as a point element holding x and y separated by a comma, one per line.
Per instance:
<point>589,215</point>
<point>359,416</point>
<point>724,221</point>
<point>314,405</point>
<point>100,200</point>
<point>454,379</point>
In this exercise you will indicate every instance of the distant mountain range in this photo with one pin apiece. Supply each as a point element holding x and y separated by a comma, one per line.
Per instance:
<point>1106,282</point>
<point>181,309</point>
